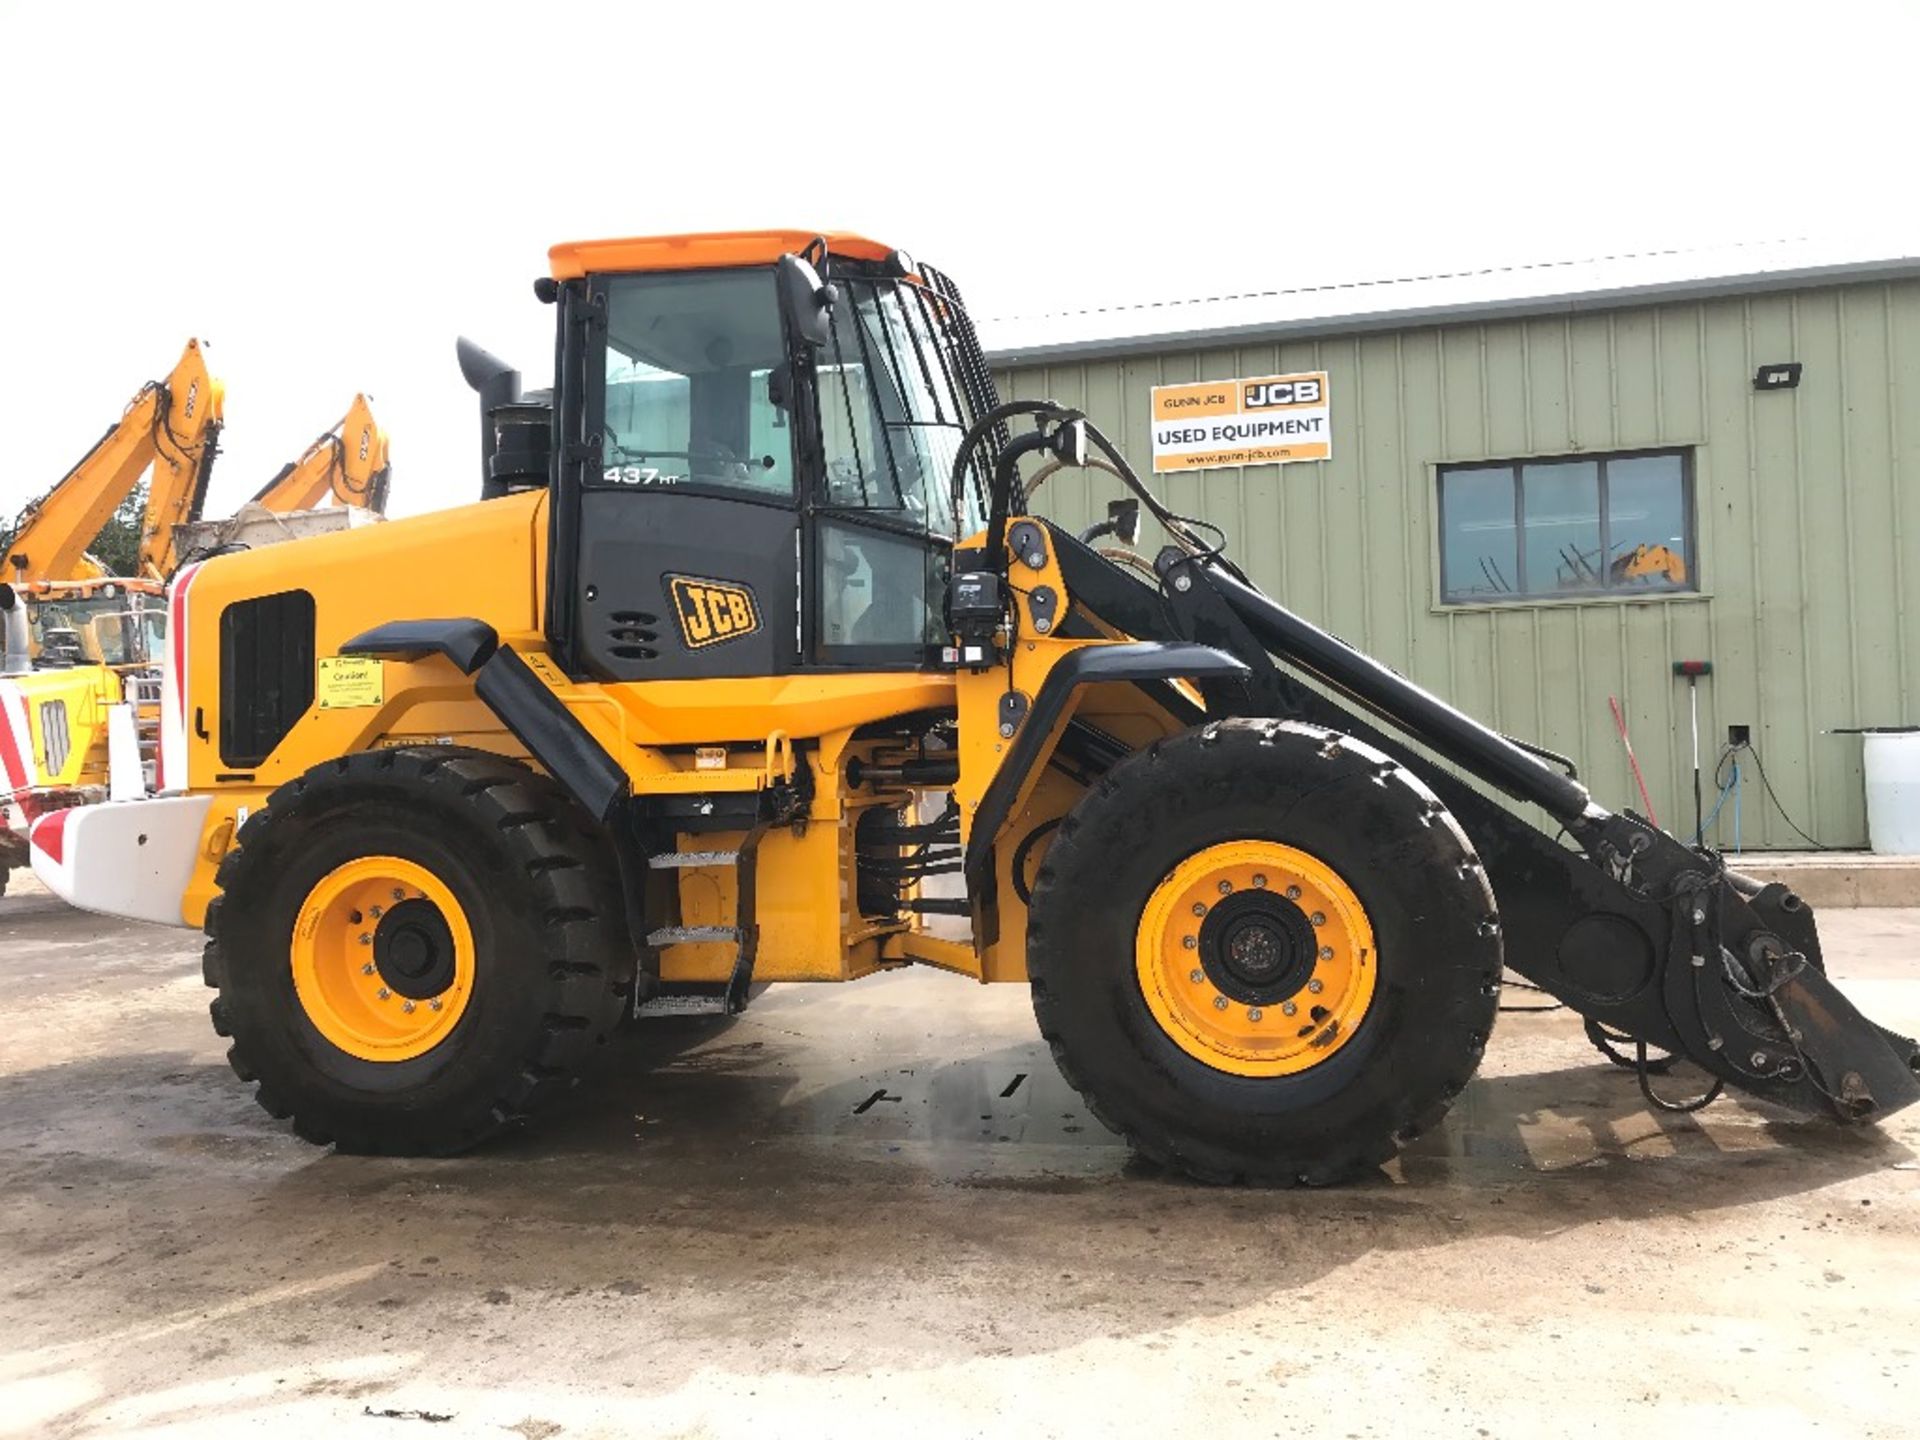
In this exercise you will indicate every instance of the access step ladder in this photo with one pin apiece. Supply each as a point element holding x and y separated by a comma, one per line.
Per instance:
<point>743,934</point>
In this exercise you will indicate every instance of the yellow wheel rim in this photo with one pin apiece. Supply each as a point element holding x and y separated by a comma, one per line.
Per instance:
<point>1256,958</point>
<point>382,958</point>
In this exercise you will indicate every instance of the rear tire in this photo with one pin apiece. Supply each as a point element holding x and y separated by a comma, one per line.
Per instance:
<point>513,944</point>
<point>1335,1105</point>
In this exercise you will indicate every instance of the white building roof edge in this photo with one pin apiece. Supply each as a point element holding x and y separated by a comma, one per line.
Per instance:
<point>1500,294</point>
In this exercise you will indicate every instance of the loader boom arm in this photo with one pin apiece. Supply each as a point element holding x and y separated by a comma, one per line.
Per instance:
<point>172,426</point>
<point>348,462</point>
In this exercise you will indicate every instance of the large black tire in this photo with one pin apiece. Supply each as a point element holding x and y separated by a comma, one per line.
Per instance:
<point>553,971</point>
<point>1396,847</point>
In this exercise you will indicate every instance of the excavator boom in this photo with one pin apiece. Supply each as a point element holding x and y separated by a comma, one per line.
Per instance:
<point>173,426</point>
<point>348,462</point>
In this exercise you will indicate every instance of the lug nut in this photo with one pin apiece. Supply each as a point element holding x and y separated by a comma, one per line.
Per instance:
<point>384,993</point>
<point>366,939</point>
<point>1196,975</point>
<point>1254,1015</point>
<point>1198,908</point>
<point>1314,987</point>
<point>1293,892</point>
<point>1190,941</point>
<point>1326,952</point>
<point>1289,1008</point>
<point>1319,917</point>
<point>433,1004</point>
<point>408,1007</point>
<point>374,910</point>
<point>1259,882</point>
<point>367,969</point>
<point>398,893</point>
<point>1219,1002</point>
<point>1226,887</point>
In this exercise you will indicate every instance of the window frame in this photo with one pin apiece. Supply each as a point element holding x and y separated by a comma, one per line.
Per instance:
<point>1446,598</point>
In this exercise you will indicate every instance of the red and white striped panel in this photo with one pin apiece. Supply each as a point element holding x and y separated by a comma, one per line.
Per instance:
<point>172,768</point>
<point>132,858</point>
<point>16,753</point>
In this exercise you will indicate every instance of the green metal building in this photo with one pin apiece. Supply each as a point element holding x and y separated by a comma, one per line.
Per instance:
<point>1542,495</point>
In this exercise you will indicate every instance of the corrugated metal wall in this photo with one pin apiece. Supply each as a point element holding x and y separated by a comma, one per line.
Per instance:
<point>1808,523</point>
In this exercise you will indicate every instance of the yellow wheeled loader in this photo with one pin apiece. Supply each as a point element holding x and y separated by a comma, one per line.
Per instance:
<point>752,638</point>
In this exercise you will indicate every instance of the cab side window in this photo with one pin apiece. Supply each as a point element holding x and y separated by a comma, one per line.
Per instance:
<point>689,394</point>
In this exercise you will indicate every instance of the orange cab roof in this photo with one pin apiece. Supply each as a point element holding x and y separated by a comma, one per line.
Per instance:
<point>575,258</point>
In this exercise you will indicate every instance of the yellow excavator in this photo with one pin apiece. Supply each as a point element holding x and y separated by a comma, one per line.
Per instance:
<point>85,640</point>
<point>347,464</point>
<point>171,427</point>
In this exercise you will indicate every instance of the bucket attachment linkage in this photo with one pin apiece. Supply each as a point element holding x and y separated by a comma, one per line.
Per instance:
<point>1656,941</point>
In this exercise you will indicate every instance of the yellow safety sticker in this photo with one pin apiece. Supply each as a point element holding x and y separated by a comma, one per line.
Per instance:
<point>351,682</point>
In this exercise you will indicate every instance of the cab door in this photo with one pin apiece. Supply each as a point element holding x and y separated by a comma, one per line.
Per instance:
<point>676,544</point>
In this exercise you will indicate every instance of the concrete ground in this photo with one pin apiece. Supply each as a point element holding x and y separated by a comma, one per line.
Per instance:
<point>878,1211</point>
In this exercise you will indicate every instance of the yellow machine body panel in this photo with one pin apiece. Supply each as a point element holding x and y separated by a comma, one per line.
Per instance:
<point>480,560</point>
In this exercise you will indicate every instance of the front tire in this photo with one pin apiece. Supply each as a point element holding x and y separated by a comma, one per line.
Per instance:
<point>415,948</point>
<point>1264,951</point>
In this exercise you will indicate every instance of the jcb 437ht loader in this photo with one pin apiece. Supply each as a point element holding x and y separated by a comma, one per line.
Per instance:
<point>751,637</point>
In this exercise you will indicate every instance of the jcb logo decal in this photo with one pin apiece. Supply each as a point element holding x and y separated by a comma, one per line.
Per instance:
<point>1294,390</point>
<point>711,611</point>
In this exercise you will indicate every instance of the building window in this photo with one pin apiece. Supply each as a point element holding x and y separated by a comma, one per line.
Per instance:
<point>1585,525</point>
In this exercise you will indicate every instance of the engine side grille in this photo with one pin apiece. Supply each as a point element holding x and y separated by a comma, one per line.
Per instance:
<point>55,738</point>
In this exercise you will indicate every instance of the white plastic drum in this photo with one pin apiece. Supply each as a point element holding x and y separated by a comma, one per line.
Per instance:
<point>1893,791</point>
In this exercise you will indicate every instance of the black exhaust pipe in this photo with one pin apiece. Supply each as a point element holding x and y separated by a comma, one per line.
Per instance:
<point>498,384</point>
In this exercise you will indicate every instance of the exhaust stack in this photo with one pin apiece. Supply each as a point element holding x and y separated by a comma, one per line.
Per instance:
<point>18,656</point>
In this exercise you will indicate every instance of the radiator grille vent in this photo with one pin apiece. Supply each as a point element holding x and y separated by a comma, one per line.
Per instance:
<point>266,673</point>
<point>55,739</point>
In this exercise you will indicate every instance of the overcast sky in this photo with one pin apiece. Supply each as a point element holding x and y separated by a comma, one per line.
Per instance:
<point>329,194</point>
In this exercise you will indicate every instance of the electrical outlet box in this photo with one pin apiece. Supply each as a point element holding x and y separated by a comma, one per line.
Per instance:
<point>1739,734</point>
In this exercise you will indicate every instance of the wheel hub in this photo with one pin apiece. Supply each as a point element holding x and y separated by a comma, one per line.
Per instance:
<point>413,949</point>
<point>1257,947</point>
<point>382,958</point>
<point>1256,958</point>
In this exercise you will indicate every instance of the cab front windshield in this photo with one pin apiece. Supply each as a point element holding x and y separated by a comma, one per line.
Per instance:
<point>699,392</point>
<point>121,629</point>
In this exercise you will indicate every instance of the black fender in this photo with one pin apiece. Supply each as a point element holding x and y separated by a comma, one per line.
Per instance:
<point>1138,662</point>
<point>467,642</point>
<point>506,685</point>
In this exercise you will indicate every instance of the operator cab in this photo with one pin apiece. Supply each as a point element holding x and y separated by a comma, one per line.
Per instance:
<point>752,441</point>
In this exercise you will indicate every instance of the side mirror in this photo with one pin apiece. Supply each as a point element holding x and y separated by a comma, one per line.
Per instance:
<point>1125,517</point>
<point>806,300</point>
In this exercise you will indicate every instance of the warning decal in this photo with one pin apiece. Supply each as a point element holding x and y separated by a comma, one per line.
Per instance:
<point>1265,420</point>
<point>350,682</point>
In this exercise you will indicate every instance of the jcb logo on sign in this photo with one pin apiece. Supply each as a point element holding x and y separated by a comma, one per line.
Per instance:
<point>1301,390</point>
<point>711,611</point>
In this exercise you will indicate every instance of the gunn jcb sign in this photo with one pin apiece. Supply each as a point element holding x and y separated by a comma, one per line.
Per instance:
<point>1262,420</point>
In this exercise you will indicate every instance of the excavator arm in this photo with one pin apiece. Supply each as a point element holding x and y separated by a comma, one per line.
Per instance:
<point>172,425</point>
<point>348,462</point>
